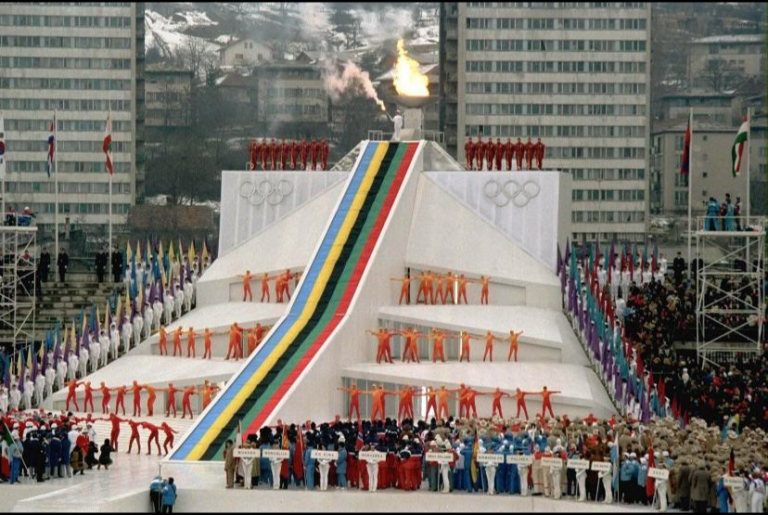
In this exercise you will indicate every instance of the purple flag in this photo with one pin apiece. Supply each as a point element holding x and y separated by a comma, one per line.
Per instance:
<point>87,340</point>
<point>7,378</point>
<point>34,362</point>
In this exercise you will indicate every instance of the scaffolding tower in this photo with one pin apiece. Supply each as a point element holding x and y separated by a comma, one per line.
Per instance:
<point>18,292</point>
<point>730,298</point>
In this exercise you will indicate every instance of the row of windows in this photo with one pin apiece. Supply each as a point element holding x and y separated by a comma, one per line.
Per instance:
<point>61,83</point>
<point>294,109</point>
<point>72,63</point>
<point>67,146</point>
<point>562,131</point>
<point>559,5</point>
<point>96,188</point>
<point>608,195</point>
<point>555,88</point>
<point>166,96</point>
<point>549,45</point>
<point>64,42</point>
<point>296,93</point>
<point>607,174</point>
<point>67,166</point>
<point>12,124</point>
<point>555,67</point>
<point>35,20</point>
<point>74,4</point>
<point>607,216</point>
<point>37,104</point>
<point>81,209</point>
<point>557,23</point>
<point>555,109</point>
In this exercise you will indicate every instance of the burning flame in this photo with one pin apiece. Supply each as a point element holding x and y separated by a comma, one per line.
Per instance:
<point>409,81</point>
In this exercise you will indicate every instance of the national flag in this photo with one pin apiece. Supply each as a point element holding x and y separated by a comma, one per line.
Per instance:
<point>473,468</point>
<point>51,147</point>
<point>284,469</point>
<point>108,144</point>
<point>559,260</point>
<point>138,250</point>
<point>685,162</point>
<point>191,254</point>
<point>29,356</point>
<point>655,264</point>
<point>128,252</point>
<point>204,254</point>
<point>731,463</point>
<point>298,456</point>
<point>737,150</point>
<point>3,154</point>
<point>649,481</point>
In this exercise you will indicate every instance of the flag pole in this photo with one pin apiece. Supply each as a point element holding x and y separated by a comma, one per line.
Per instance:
<point>2,179</point>
<point>109,243</point>
<point>749,151</point>
<point>56,183</point>
<point>690,190</point>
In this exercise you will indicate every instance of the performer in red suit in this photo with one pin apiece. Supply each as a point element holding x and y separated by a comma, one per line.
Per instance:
<point>324,152</point>
<point>479,152</point>
<point>354,400</point>
<point>469,153</point>
<point>469,400</point>
<point>254,149</point>
<point>120,402</point>
<point>136,399</point>
<point>154,434</point>
<point>88,396</point>
<point>295,149</point>
<point>285,154</point>
<point>314,150</point>
<point>115,434</point>
<point>71,394</point>
<point>529,154</point>
<point>134,435</point>
<point>497,396</point>
<point>519,153</point>
<point>171,402</point>
<point>520,396</point>
<point>185,401</point>
<point>499,153</point>
<point>105,397</point>
<point>264,153</point>
<point>539,148</point>
<point>383,351</point>
<point>509,151</point>
<point>303,153</point>
<point>169,432</point>
<point>546,403</point>
<point>273,154</point>
<point>490,153</point>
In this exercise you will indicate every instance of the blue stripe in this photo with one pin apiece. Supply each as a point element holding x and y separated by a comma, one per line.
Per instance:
<point>300,300</point>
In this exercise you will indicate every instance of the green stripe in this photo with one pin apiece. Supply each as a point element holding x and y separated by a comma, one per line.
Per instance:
<point>333,303</point>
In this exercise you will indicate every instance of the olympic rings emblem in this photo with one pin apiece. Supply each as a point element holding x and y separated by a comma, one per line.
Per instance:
<point>502,194</point>
<point>265,191</point>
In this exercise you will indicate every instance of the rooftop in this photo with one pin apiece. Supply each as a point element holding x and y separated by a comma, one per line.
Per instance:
<point>731,38</point>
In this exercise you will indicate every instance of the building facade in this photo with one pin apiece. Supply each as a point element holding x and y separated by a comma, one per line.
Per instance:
<point>292,92</point>
<point>244,52</point>
<point>576,74</point>
<point>737,56</point>
<point>168,97</point>
<point>84,61</point>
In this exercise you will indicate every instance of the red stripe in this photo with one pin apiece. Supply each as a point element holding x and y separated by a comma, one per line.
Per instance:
<point>346,299</point>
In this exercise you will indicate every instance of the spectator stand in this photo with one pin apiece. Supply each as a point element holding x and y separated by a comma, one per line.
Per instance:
<point>730,305</point>
<point>18,278</point>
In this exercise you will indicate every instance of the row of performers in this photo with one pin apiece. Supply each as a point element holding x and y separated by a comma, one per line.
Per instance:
<point>288,155</point>
<point>495,153</point>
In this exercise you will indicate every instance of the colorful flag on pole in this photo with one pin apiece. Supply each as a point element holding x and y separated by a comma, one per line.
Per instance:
<point>108,144</point>
<point>686,159</point>
<point>51,147</point>
<point>3,154</point>
<point>736,152</point>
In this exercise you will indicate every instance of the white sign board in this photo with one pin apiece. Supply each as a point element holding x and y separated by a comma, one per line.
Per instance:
<point>655,473</point>
<point>551,462</point>
<point>519,459</point>
<point>578,464</point>
<point>239,452</point>
<point>733,482</point>
<point>601,466</point>
<point>373,456</point>
<point>440,457</point>
<point>280,454</point>
<point>324,455</point>
<point>490,458</point>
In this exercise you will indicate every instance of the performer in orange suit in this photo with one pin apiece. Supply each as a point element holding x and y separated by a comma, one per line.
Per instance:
<point>88,396</point>
<point>207,342</point>
<point>469,153</point>
<point>120,401</point>
<point>484,281</point>
<point>469,400</point>
<point>170,403</point>
<point>314,149</point>
<point>354,400</point>
<point>425,287</point>
<point>134,435</point>
<point>105,397</point>
<point>191,345</point>
<point>411,348</point>
<point>519,153</point>
<point>437,337</point>
<point>114,435</point>
<point>163,342</point>
<point>72,393</point>
<point>513,346</point>
<point>207,392</point>
<point>285,155</point>
<point>528,154</point>
<point>497,396</point>
<point>185,401</point>
<point>450,284</point>
<point>489,339</point>
<point>247,286</point>
<point>499,153</point>
<point>265,286</point>
<point>384,336</point>
<point>264,154</point>
<point>235,342</point>
<point>295,150</point>
<point>154,434</point>
<point>490,153</point>
<point>151,399</point>
<point>169,432</point>
<point>538,149</point>
<point>443,394</point>
<point>405,289</point>
<point>439,288</point>
<point>509,152</point>
<point>177,342</point>
<point>324,152</point>
<point>520,396</point>
<point>303,154</point>
<point>378,411</point>
<point>405,405</point>
<point>465,339</point>
<point>479,152</point>
<point>252,340</point>
<point>136,399</point>
<point>546,403</point>
<point>463,288</point>
<point>431,395</point>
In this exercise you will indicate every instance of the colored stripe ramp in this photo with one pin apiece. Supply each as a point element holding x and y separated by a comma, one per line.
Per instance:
<point>319,305</point>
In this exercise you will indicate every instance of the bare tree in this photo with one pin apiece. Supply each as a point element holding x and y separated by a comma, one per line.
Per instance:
<point>719,74</point>
<point>194,55</point>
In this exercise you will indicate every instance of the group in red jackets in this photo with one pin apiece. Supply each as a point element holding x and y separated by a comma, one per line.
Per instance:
<point>288,155</point>
<point>493,155</point>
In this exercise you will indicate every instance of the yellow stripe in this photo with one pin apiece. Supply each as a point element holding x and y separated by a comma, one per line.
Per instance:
<point>312,300</point>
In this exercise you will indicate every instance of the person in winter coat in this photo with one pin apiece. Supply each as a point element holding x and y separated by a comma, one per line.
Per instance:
<point>169,495</point>
<point>105,456</point>
<point>78,461</point>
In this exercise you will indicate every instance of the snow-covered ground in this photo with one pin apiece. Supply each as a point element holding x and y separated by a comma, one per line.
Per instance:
<point>167,34</point>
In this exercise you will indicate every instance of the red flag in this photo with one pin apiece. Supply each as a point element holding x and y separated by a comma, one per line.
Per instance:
<point>685,162</point>
<point>298,455</point>
<point>284,472</point>
<point>649,480</point>
<point>107,147</point>
<point>731,463</point>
